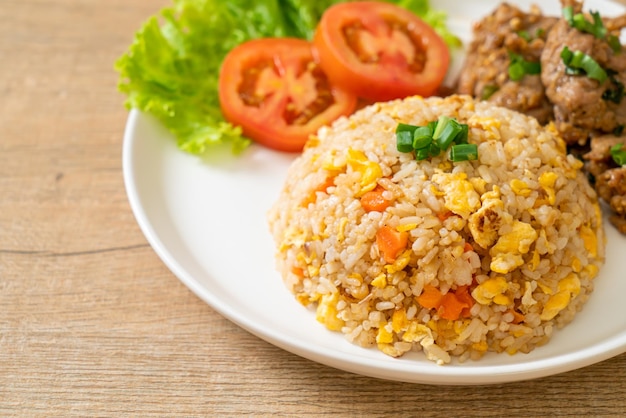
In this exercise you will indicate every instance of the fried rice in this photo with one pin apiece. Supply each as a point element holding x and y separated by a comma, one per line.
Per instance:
<point>498,252</point>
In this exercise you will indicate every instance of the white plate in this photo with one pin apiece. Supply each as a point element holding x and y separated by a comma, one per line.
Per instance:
<point>205,218</point>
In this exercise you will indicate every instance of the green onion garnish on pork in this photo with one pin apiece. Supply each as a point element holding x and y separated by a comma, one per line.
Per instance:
<point>519,67</point>
<point>595,28</point>
<point>579,63</point>
<point>619,154</point>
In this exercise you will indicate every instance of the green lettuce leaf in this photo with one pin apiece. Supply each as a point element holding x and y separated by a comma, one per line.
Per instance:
<point>171,69</point>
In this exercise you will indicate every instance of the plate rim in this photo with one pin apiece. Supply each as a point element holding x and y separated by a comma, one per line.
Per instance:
<point>443,375</point>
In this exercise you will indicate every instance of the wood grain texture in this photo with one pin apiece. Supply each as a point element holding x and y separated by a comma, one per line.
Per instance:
<point>93,324</point>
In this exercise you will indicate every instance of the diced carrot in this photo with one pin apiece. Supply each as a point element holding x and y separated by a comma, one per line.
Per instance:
<point>391,242</point>
<point>298,271</point>
<point>517,317</point>
<point>451,307</point>
<point>330,181</point>
<point>322,187</point>
<point>444,215</point>
<point>468,247</point>
<point>430,298</point>
<point>374,200</point>
<point>463,294</point>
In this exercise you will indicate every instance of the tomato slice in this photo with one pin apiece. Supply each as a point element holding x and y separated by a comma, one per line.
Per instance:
<point>380,51</point>
<point>278,94</point>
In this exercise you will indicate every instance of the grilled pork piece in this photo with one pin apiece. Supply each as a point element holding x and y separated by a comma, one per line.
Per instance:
<point>582,104</point>
<point>508,32</point>
<point>609,179</point>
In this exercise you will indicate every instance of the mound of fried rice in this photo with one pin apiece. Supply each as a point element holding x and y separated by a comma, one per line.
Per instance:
<point>515,237</point>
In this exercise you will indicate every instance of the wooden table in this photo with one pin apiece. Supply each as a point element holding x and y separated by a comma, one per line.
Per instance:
<point>91,321</point>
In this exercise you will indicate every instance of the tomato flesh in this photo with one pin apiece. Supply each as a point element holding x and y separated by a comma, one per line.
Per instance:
<point>278,94</point>
<point>387,42</point>
<point>380,51</point>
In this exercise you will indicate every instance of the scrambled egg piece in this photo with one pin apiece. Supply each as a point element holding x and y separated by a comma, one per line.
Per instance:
<point>570,165</point>
<point>590,240</point>
<point>527,299</point>
<point>327,312</point>
<point>311,262</point>
<point>568,288</point>
<point>399,321</point>
<point>418,332</point>
<point>507,252</point>
<point>384,336</point>
<point>591,270</point>
<point>293,237</point>
<point>520,187</point>
<point>370,171</point>
<point>492,290</point>
<point>534,261</point>
<point>570,283</point>
<point>460,197</point>
<point>479,184</point>
<point>547,181</point>
<point>380,281</point>
<point>402,330</point>
<point>400,263</point>
<point>491,126</point>
<point>485,222</point>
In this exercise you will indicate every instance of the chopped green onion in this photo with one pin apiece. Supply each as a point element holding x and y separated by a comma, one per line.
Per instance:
<point>448,134</point>
<point>619,154</point>
<point>422,137</point>
<point>595,28</point>
<point>599,31</point>
<point>441,123</point>
<point>422,142</point>
<point>422,154</point>
<point>404,137</point>
<point>616,93</point>
<point>432,125</point>
<point>577,59</point>
<point>405,127</point>
<point>488,91</point>
<point>580,22</point>
<point>524,35</point>
<point>462,136</point>
<point>404,141</point>
<point>593,69</point>
<point>434,149</point>
<point>614,43</point>
<point>578,62</point>
<point>428,141</point>
<point>464,152</point>
<point>516,71</point>
<point>568,15</point>
<point>519,67</point>
<point>566,56</point>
